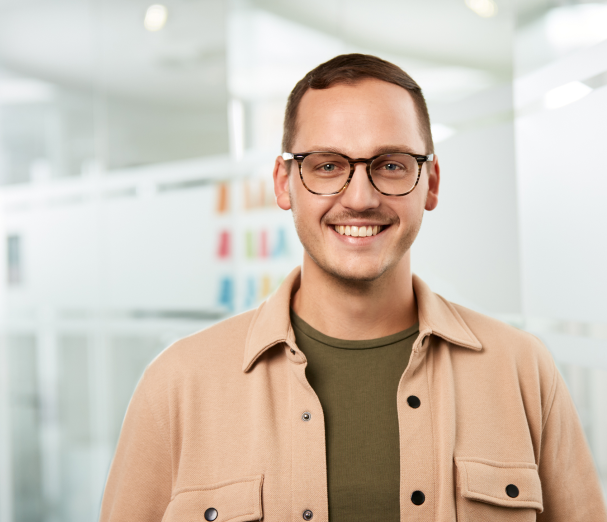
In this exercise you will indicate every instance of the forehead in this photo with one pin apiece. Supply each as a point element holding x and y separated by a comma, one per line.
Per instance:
<point>352,117</point>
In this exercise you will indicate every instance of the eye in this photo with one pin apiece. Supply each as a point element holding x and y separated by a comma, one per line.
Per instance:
<point>328,167</point>
<point>392,167</point>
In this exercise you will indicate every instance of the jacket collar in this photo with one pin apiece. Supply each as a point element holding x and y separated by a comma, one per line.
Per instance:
<point>271,323</point>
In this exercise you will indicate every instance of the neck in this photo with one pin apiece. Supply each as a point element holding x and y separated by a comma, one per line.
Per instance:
<point>353,310</point>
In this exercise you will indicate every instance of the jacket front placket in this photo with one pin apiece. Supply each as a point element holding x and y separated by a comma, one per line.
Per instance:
<point>309,458</point>
<point>417,466</point>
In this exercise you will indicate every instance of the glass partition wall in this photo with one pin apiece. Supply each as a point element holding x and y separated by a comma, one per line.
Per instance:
<point>560,97</point>
<point>136,147</point>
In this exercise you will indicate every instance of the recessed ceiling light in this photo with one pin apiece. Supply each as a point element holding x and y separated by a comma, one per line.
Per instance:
<point>155,17</point>
<point>483,8</point>
<point>565,94</point>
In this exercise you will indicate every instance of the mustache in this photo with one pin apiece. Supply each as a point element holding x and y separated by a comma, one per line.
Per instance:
<point>365,215</point>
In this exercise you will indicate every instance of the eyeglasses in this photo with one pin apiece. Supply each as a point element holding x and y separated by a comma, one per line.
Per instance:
<point>330,173</point>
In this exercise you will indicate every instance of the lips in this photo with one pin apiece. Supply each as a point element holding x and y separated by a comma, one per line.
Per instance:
<point>358,231</point>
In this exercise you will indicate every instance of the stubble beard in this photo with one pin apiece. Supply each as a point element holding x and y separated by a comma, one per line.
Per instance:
<point>343,277</point>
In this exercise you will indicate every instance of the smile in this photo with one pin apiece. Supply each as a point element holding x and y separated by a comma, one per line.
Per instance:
<point>354,231</point>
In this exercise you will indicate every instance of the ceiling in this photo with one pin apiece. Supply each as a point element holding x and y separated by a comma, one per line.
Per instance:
<point>441,31</point>
<point>102,44</point>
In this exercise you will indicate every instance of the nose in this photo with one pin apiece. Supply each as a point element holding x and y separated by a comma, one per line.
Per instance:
<point>360,194</point>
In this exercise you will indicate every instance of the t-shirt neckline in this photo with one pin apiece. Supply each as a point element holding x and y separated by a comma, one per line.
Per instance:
<point>301,326</point>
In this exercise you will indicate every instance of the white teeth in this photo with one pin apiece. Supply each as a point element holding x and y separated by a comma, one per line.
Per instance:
<point>355,231</point>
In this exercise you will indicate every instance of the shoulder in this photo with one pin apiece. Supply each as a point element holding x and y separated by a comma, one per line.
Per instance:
<point>493,332</point>
<point>517,360</point>
<point>216,350</point>
<point>504,344</point>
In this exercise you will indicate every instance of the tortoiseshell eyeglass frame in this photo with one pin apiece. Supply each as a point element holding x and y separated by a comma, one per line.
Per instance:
<point>299,158</point>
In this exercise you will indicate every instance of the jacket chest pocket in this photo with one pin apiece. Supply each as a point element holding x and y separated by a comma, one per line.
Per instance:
<point>230,501</point>
<point>497,491</point>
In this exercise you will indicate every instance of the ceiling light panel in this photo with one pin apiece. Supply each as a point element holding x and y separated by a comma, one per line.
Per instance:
<point>155,17</point>
<point>483,8</point>
<point>565,94</point>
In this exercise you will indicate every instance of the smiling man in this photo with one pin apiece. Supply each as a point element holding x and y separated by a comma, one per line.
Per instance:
<point>354,393</point>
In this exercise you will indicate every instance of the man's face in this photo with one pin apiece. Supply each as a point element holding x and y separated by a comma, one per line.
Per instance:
<point>360,121</point>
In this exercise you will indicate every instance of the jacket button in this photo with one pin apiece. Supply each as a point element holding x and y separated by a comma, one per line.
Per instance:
<point>210,514</point>
<point>418,498</point>
<point>307,515</point>
<point>292,351</point>
<point>414,401</point>
<point>306,417</point>
<point>511,491</point>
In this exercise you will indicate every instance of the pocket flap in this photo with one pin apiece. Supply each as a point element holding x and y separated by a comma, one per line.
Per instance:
<point>508,484</point>
<point>232,500</point>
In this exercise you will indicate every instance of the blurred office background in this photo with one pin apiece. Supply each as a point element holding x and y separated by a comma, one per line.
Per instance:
<point>136,206</point>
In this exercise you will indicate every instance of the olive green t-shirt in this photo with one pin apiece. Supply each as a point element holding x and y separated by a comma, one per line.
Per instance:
<point>356,383</point>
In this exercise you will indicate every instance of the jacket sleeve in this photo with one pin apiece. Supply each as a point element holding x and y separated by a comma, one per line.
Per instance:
<point>571,488</point>
<point>139,484</point>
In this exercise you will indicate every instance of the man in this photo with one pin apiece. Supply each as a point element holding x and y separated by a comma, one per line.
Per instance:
<point>354,392</point>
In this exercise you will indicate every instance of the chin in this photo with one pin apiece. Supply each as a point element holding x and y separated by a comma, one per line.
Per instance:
<point>357,274</point>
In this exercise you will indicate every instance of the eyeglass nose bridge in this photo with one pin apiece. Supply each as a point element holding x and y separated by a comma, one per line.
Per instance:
<point>353,162</point>
<point>366,161</point>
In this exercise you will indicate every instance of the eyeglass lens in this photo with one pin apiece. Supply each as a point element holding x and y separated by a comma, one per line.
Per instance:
<point>326,173</point>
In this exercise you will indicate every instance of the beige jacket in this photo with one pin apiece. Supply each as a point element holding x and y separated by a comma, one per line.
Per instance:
<point>217,426</point>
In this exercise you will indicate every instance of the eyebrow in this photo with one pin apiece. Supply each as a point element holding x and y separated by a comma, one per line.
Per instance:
<point>384,149</point>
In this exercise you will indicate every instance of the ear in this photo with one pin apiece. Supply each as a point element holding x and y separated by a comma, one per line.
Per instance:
<point>281,183</point>
<point>433,183</point>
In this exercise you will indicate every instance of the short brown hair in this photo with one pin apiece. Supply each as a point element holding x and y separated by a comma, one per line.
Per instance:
<point>349,69</point>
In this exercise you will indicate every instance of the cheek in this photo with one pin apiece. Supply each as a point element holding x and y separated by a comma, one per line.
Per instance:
<point>410,212</point>
<point>308,209</point>
<point>418,197</point>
